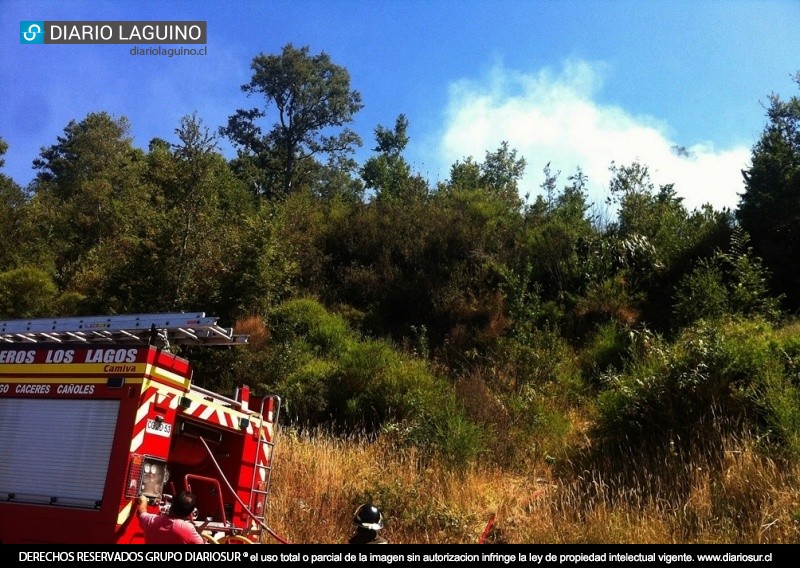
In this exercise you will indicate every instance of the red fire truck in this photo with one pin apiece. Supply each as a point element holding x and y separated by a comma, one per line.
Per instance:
<point>96,411</point>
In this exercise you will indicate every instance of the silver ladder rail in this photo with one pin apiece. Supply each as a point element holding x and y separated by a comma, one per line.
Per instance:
<point>264,470</point>
<point>159,329</point>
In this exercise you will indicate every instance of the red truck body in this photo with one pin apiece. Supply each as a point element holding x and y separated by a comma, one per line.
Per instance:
<point>85,428</point>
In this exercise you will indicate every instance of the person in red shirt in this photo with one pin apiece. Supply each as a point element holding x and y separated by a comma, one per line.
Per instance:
<point>173,528</point>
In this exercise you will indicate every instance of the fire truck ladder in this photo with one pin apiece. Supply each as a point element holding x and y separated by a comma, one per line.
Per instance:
<point>163,330</point>
<point>262,468</point>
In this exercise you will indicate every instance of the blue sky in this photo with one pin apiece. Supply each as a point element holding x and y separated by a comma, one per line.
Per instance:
<point>571,83</point>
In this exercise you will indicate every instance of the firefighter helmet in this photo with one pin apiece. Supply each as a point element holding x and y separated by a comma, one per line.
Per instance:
<point>369,517</point>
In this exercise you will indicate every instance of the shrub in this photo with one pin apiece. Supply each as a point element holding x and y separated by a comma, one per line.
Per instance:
<point>331,378</point>
<point>325,332</point>
<point>719,377</point>
<point>605,349</point>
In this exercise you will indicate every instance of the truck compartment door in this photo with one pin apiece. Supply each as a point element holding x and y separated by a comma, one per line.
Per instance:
<point>56,451</point>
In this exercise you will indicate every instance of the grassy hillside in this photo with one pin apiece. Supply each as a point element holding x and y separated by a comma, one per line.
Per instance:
<point>318,481</point>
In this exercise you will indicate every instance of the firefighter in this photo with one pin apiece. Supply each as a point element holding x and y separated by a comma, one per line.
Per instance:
<point>176,527</point>
<point>368,520</point>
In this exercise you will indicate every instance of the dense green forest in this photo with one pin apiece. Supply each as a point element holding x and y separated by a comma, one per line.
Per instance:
<point>458,318</point>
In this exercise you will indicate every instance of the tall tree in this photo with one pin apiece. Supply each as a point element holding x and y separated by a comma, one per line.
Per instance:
<point>197,233</point>
<point>12,206</point>
<point>769,208</point>
<point>88,197</point>
<point>656,240</point>
<point>498,175</point>
<point>501,172</point>
<point>388,173</point>
<point>557,225</point>
<point>311,96</point>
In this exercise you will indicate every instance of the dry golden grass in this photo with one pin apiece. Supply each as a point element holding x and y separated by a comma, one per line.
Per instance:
<point>318,481</point>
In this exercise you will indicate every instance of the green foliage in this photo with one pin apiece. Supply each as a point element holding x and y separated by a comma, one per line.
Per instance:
<point>498,175</point>
<point>311,96</point>
<point>719,375</point>
<point>732,282</point>
<point>330,377</point>
<point>325,333</point>
<point>606,350</point>
<point>388,174</point>
<point>535,359</point>
<point>656,240</point>
<point>769,209</point>
<point>305,392</point>
<point>458,442</point>
<point>553,245</point>
<point>780,399</point>
<point>201,226</point>
<point>12,211</point>
<point>406,265</point>
<point>528,309</point>
<point>262,268</point>
<point>501,172</point>
<point>88,196</point>
<point>464,175</point>
<point>780,394</point>
<point>611,299</point>
<point>27,292</point>
<point>702,293</point>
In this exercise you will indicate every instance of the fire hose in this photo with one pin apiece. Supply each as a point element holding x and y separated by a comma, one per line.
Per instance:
<point>489,525</point>
<point>263,525</point>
